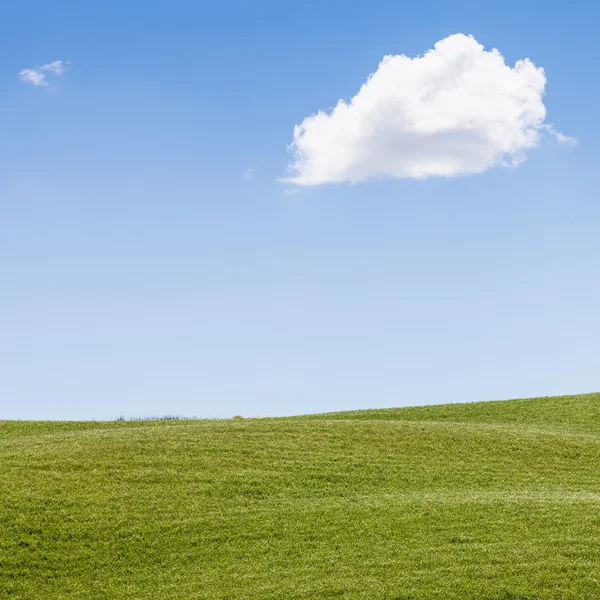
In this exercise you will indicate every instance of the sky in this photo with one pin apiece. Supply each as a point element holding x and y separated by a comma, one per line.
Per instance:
<point>212,209</point>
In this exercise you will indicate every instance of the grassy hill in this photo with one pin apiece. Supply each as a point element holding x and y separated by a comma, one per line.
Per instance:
<point>496,500</point>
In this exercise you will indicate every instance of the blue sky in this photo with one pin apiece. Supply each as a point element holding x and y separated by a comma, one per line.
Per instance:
<point>144,270</point>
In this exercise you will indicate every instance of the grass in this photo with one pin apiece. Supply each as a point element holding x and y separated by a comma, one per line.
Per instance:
<point>486,501</point>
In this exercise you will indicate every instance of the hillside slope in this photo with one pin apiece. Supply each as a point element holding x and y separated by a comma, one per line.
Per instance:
<point>490,501</point>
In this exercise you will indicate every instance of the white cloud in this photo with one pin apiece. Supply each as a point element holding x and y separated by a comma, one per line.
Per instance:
<point>57,67</point>
<point>458,109</point>
<point>32,76</point>
<point>37,76</point>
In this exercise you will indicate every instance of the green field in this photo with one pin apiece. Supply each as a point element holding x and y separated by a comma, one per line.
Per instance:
<point>497,500</point>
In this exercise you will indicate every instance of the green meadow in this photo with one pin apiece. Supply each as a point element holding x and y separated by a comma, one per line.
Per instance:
<point>484,501</point>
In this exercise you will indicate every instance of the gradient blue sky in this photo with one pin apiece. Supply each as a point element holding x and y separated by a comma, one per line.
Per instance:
<point>141,273</point>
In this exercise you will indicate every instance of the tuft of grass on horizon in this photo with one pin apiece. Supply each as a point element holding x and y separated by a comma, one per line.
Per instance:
<point>167,417</point>
<point>484,501</point>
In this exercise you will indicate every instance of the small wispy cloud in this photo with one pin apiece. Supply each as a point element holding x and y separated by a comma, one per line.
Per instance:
<point>32,76</point>
<point>57,67</point>
<point>250,172</point>
<point>565,139</point>
<point>38,75</point>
